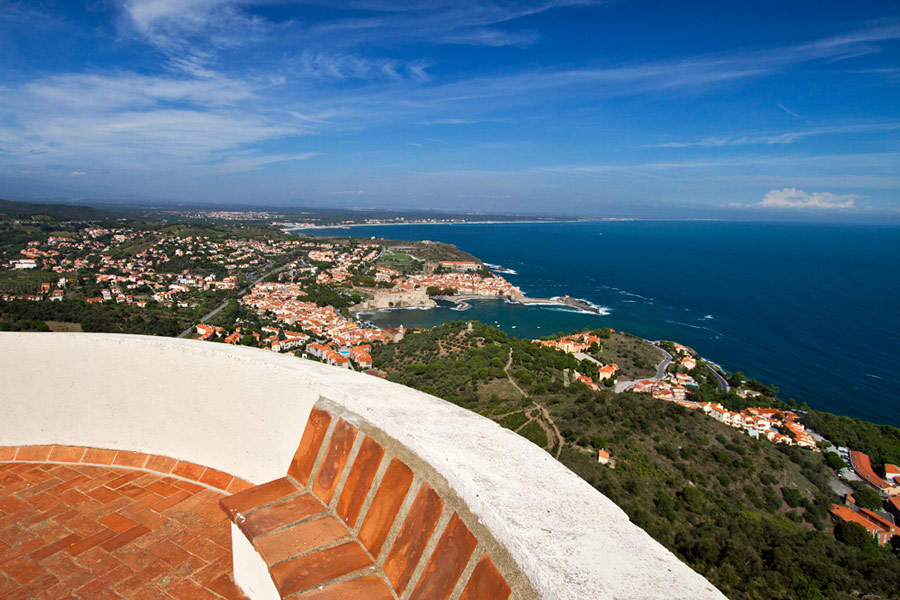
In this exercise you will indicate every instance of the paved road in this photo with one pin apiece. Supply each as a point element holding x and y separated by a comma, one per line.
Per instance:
<point>218,309</point>
<point>663,365</point>
<point>622,386</point>
<point>721,384</point>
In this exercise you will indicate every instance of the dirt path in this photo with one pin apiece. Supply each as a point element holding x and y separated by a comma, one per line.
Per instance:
<point>551,431</point>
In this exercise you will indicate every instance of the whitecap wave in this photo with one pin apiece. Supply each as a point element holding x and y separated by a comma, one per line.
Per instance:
<point>627,293</point>
<point>683,324</point>
<point>708,317</point>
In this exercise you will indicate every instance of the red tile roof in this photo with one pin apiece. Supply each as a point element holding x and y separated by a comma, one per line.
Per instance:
<point>863,467</point>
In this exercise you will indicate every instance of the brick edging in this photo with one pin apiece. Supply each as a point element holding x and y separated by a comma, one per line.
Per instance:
<point>126,459</point>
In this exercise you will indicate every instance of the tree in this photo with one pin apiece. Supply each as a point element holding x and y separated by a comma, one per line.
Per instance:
<point>834,460</point>
<point>736,379</point>
<point>792,497</point>
<point>692,498</point>
<point>867,498</point>
<point>853,534</point>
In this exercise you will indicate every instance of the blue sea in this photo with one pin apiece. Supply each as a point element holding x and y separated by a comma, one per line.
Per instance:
<point>811,308</point>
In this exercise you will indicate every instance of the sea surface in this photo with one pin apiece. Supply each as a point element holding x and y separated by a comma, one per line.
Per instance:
<point>811,308</point>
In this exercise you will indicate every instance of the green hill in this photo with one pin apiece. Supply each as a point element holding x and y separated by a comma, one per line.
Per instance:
<point>749,515</point>
<point>62,211</point>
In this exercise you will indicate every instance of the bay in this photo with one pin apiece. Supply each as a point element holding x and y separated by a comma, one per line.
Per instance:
<point>811,308</point>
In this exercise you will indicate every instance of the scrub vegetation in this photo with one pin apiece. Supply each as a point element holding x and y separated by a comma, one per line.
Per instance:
<point>749,515</point>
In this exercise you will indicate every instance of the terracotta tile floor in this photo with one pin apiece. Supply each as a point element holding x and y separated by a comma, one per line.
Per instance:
<point>94,533</point>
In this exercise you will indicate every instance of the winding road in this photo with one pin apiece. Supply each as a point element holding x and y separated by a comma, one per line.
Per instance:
<point>622,386</point>
<point>721,383</point>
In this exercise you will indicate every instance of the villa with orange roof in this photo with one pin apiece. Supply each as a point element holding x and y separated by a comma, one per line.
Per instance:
<point>570,344</point>
<point>880,528</point>
<point>607,371</point>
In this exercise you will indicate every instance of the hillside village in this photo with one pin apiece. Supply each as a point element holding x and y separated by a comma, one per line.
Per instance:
<point>777,425</point>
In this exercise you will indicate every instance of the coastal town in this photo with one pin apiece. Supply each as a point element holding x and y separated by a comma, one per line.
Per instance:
<point>306,293</point>
<point>309,296</point>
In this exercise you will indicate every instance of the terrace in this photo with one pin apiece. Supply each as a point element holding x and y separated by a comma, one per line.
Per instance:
<point>117,450</point>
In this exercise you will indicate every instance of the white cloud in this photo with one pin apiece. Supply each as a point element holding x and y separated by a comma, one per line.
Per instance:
<point>135,121</point>
<point>799,199</point>
<point>114,91</point>
<point>77,173</point>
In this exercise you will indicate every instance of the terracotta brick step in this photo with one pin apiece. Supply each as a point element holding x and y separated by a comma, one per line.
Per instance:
<point>370,587</point>
<point>351,522</point>
<point>280,515</point>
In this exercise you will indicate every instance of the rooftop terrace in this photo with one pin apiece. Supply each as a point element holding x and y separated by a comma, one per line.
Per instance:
<point>418,498</point>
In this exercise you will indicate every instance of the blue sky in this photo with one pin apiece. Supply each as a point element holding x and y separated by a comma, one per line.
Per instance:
<point>621,108</point>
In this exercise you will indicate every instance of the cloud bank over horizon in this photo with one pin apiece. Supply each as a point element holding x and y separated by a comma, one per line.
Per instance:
<point>573,104</point>
<point>792,198</point>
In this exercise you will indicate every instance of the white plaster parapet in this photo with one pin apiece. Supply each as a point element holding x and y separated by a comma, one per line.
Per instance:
<point>242,410</point>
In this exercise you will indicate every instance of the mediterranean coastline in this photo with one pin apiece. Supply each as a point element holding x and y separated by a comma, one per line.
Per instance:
<point>679,294</point>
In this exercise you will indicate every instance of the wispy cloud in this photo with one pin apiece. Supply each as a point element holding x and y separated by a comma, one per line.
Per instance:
<point>464,22</point>
<point>251,161</point>
<point>113,91</point>
<point>451,121</point>
<point>171,24</point>
<point>792,198</point>
<point>891,73</point>
<point>848,163</point>
<point>785,109</point>
<point>479,95</point>
<point>105,120</point>
<point>323,65</point>
<point>780,138</point>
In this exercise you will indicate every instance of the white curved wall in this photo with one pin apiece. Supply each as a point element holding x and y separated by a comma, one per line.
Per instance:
<point>242,411</point>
